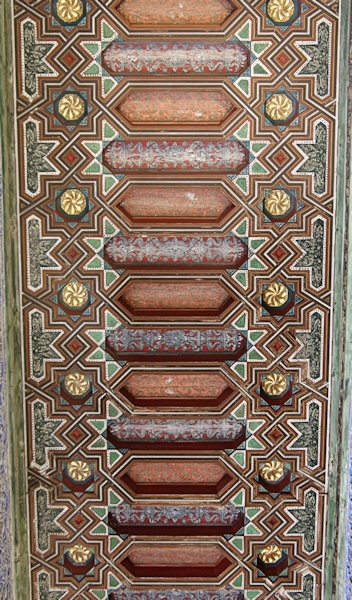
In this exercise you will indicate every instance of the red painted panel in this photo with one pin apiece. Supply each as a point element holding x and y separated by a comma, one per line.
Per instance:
<point>174,12</point>
<point>163,389</point>
<point>167,477</point>
<point>184,204</point>
<point>175,106</point>
<point>176,561</point>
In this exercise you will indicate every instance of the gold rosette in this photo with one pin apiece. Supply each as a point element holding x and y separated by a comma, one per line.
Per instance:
<point>73,202</point>
<point>271,554</point>
<point>272,471</point>
<point>71,107</point>
<point>280,10</point>
<point>74,295</point>
<point>279,107</point>
<point>79,470</point>
<point>277,202</point>
<point>275,294</point>
<point>274,384</point>
<point>69,10</point>
<point>76,384</point>
<point>79,553</point>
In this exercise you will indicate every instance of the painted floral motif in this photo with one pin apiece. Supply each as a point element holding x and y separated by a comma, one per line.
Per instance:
<point>164,430</point>
<point>177,296</point>
<point>311,349</point>
<point>174,514</point>
<point>228,250</point>
<point>309,432</point>
<point>316,161</point>
<point>176,471</point>
<point>39,253</point>
<point>306,520</point>
<point>175,385</point>
<point>176,57</point>
<point>174,12</point>
<point>36,153</point>
<point>229,156</point>
<point>314,253</point>
<point>41,345</point>
<point>170,106</point>
<point>175,201</point>
<point>175,554</point>
<point>318,63</point>
<point>34,58</point>
<point>46,519</point>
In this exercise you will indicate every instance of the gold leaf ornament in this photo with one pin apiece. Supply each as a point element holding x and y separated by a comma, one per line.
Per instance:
<point>274,384</point>
<point>79,470</point>
<point>69,10</point>
<point>76,384</point>
<point>79,553</point>
<point>271,554</point>
<point>279,107</point>
<point>272,471</point>
<point>71,107</point>
<point>275,294</point>
<point>277,202</point>
<point>73,202</point>
<point>74,295</point>
<point>280,10</point>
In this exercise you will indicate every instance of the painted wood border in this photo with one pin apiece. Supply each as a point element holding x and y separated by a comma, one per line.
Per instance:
<point>340,392</point>
<point>13,327</point>
<point>340,387</point>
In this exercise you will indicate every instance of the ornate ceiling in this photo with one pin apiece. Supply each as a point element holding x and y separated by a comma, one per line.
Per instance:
<point>176,167</point>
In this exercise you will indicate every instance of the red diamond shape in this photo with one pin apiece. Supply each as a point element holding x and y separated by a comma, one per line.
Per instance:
<point>69,58</point>
<point>273,521</point>
<point>276,434</point>
<point>75,345</point>
<point>279,253</point>
<point>77,433</point>
<point>73,253</point>
<point>78,520</point>
<point>282,58</point>
<point>70,157</point>
<point>277,345</point>
<point>280,157</point>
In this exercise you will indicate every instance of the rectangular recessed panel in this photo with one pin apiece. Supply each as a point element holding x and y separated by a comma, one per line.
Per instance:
<point>171,58</point>
<point>176,520</point>
<point>176,434</point>
<point>173,13</point>
<point>181,345</point>
<point>150,252</point>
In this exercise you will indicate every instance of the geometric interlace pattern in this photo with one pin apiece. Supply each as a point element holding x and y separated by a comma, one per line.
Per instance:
<point>176,193</point>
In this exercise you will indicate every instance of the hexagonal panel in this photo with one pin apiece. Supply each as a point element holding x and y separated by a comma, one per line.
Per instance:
<point>173,14</point>
<point>176,389</point>
<point>145,478</point>
<point>186,205</point>
<point>163,300</point>
<point>206,560</point>
<point>181,108</point>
